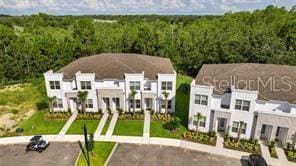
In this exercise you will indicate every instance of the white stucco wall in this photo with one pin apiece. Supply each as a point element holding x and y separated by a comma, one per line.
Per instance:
<point>73,85</point>
<point>205,110</point>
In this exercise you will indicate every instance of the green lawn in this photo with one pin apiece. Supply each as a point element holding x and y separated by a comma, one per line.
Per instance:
<point>182,98</point>
<point>37,124</point>
<point>99,155</point>
<point>106,127</point>
<point>156,130</point>
<point>129,127</point>
<point>77,126</point>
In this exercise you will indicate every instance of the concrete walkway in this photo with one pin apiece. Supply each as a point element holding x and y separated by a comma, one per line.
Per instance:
<point>111,126</point>
<point>146,130</point>
<point>154,141</point>
<point>68,124</point>
<point>220,141</point>
<point>101,126</point>
<point>282,156</point>
<point>265,151</point>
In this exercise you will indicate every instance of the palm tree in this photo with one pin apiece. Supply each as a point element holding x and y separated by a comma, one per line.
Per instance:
<point>198,118</point>
<point>51,100</point>
<point>165,95</point>
<point>239,131</point>
<point>82,95</point>
<point>133,96</point>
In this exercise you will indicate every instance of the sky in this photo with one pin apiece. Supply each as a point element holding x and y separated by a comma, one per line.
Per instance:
<point>165,7</point>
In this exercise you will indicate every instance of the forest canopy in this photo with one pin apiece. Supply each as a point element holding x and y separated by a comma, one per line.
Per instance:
<point>31,45</point>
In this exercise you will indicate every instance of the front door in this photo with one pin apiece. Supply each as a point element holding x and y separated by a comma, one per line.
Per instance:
<point>106,103</point>
<point>148,103</point>
<point>221,124</point>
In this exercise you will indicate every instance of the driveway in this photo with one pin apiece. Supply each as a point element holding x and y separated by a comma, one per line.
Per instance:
<point>150,155</point>
<point>57,154</point>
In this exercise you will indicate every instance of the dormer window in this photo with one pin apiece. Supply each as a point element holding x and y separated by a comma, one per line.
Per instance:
<point>54,84</point>
<point>85,85</point>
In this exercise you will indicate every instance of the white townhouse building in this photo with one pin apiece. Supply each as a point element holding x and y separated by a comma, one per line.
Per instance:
<point>262,96</point>
<point>109,78</point>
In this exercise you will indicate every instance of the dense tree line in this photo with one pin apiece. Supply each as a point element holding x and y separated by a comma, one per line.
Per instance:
<point>31,45</point>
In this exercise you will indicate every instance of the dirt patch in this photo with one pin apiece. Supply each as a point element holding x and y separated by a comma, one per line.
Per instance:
<point>13,87</point>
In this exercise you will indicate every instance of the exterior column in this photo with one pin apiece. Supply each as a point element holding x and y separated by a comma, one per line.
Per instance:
<point>216,125</point>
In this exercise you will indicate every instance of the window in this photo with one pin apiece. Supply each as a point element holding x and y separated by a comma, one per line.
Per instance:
<point>134,85</point>
<point>242,105</point>
<point>202,121</point>
<point>201,99</point>
<point>85,85</point>
<point>163,104</point>
<point>89,103</point>
<point>166,85</point>
<point>235,127</point>
<point>54,84</point>
<point>138,104</point>
<point>58,103</point>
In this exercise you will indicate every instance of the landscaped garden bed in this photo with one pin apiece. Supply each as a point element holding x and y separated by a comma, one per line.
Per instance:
<point>130,116</point>
<point>272,150</point>
<point>250,146</point>
<point>200,137</point>
<point>67,114</point>
<point>58,115</point>
<point>290,153</point>
<point>160,116</point>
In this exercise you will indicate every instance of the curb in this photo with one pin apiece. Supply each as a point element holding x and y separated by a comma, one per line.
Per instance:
<point>111,154</point>
<point>77,158</point>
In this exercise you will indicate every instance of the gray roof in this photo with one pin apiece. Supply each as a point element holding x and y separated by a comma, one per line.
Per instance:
<point>273,82</point>
<point>115,65</point>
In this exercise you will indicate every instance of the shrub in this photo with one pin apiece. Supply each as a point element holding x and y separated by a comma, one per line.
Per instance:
<point>42,104</point>
<point>204,138</point>
<point>172,124</point>
<point>245,145</point>
<point>288,146</point>
<point>14,111</point>
<point>19,130</point>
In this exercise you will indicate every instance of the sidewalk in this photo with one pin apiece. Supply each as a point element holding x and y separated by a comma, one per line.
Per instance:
<point>101,126</point>
<point>146,130</point>
<point>111,126</point>
<point>68,124</point>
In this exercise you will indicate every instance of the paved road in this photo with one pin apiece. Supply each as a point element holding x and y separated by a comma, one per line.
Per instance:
<point>57,154</point>
<point>154,155</point>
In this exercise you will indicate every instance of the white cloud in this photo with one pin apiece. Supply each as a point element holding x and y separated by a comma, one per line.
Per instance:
<point>172,4</point>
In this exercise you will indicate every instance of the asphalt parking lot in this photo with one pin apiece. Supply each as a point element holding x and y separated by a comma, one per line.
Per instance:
<point>57,154</point>
<point>154,155</point>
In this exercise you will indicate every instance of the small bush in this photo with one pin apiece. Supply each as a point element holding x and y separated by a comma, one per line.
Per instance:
<point>14,111</point>
<point>172,124</point>
<point>200,137</point>
<point>42,104</point>
<point>19,130</point>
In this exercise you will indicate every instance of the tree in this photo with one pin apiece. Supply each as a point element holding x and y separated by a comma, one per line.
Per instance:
<point>133,96</point>
<point>165,95</point>
<point>241,123</point>
<point>51,100</point>
<point>198,118</point>
<point>82,95</point>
